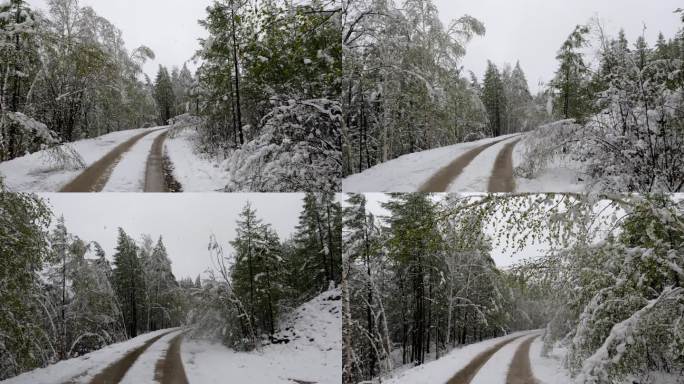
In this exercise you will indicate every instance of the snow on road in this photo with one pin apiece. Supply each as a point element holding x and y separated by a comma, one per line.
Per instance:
<point>143,369</point>
<point>407,173</point>
<point>315,355</point>
<point>495,369</point>
<point>85,367</point>
<point>475,177</point>
<point>440,371</point>
<point>37,172</point>
<point>194,171</point>
<point>129,174</point>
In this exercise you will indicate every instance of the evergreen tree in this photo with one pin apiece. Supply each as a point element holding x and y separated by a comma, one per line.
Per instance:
<point>494,99</point>
<point>570,83</point>
<point>128,283</point>
<point>164,95</point>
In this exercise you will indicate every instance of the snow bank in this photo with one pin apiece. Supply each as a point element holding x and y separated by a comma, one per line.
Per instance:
<point>82,369</point>
<point>129,174</point>
<point>37,172</point>
<point>407,173</point>
<point>314,353</point>
<point>440,371</point>
<point>548,369</point>
<point>194,171</point>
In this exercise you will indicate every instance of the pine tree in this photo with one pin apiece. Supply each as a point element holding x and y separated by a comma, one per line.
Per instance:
<point>494,99</point>
<point>164,95</point>
<point>570,82</point>
<point>128,282</point>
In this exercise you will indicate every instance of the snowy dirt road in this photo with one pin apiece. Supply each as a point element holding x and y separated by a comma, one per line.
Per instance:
<point>157,360</point>
<point>506,362</point>
<point>133,166</point>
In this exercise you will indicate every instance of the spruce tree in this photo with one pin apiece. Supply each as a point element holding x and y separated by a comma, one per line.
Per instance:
<point>494,99</point>
<point>570,83</point>
<point>164,95</point>
<point>128,282</point>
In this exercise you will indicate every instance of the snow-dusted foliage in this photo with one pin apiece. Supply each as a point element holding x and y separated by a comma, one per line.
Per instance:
<point>269,90</point>
<point>69,70</point>
<point>630,108</point>
<point>546,143</point>
<point>251,290</point>
<point>297,149</point>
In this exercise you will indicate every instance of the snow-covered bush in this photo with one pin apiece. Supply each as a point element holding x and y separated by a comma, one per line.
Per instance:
<point>21,134</point>
<point>298,149</point>
<point>545,144</point>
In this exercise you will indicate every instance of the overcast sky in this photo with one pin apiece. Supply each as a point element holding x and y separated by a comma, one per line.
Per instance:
<point>185,221</point>
<point>532,30</point>
<point>169,27</point>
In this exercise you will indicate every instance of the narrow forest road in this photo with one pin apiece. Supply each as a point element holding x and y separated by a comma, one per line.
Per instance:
<point>519,371</point>
<point>98,176</point>
<point>168,369</point>
<point>500,180</point>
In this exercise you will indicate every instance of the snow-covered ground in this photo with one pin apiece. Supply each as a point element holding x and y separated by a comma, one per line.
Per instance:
<point>195,172</point>
<point>315,355</point>
<point>475,177</point>
<point>440,371</point>
<point>407,173</point>
<point>129,173</point>
<point>37,172</point>
<point>82,369</point>
<point>560,175</point>
<point>548,369</point>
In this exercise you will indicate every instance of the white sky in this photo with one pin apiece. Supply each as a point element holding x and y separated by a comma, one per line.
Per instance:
<point>532,30</point>
<point>169,27</point>
<point>185,221</point>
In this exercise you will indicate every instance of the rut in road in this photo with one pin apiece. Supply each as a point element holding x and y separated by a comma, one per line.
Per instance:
<point>502,174</point>
<point>95,177</point>
<point>169,369</point>
<point>465,375</point>
<point>520,371</point>
<point>441,180</point>
<point>154,170</point>
<point>115,372</point>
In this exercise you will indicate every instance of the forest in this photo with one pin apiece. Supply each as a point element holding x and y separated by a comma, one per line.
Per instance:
<point>421,280</point>
<point>63,296</point>
<point>271,118</point>
<point>615,105</point>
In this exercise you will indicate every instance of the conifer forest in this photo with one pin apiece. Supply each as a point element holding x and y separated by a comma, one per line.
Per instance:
<point>341,191</point>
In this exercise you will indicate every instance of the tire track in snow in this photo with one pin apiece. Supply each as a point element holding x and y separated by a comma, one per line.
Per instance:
<point>520,371</point>
<point>441,180</point>
<point>169,369</point>
<point>95,177</point>
<point>465,375</point>
<point>502,179</point>
<point>116,371</point>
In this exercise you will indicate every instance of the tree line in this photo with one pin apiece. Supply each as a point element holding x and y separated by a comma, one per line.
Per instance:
<point>421,281</point>
<point>61,296</point>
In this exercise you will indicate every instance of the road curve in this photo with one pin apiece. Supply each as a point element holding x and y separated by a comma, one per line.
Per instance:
<point>441,180</point>
<point>95,177</point>
<point>467,373</point>
<point>502,179</point>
